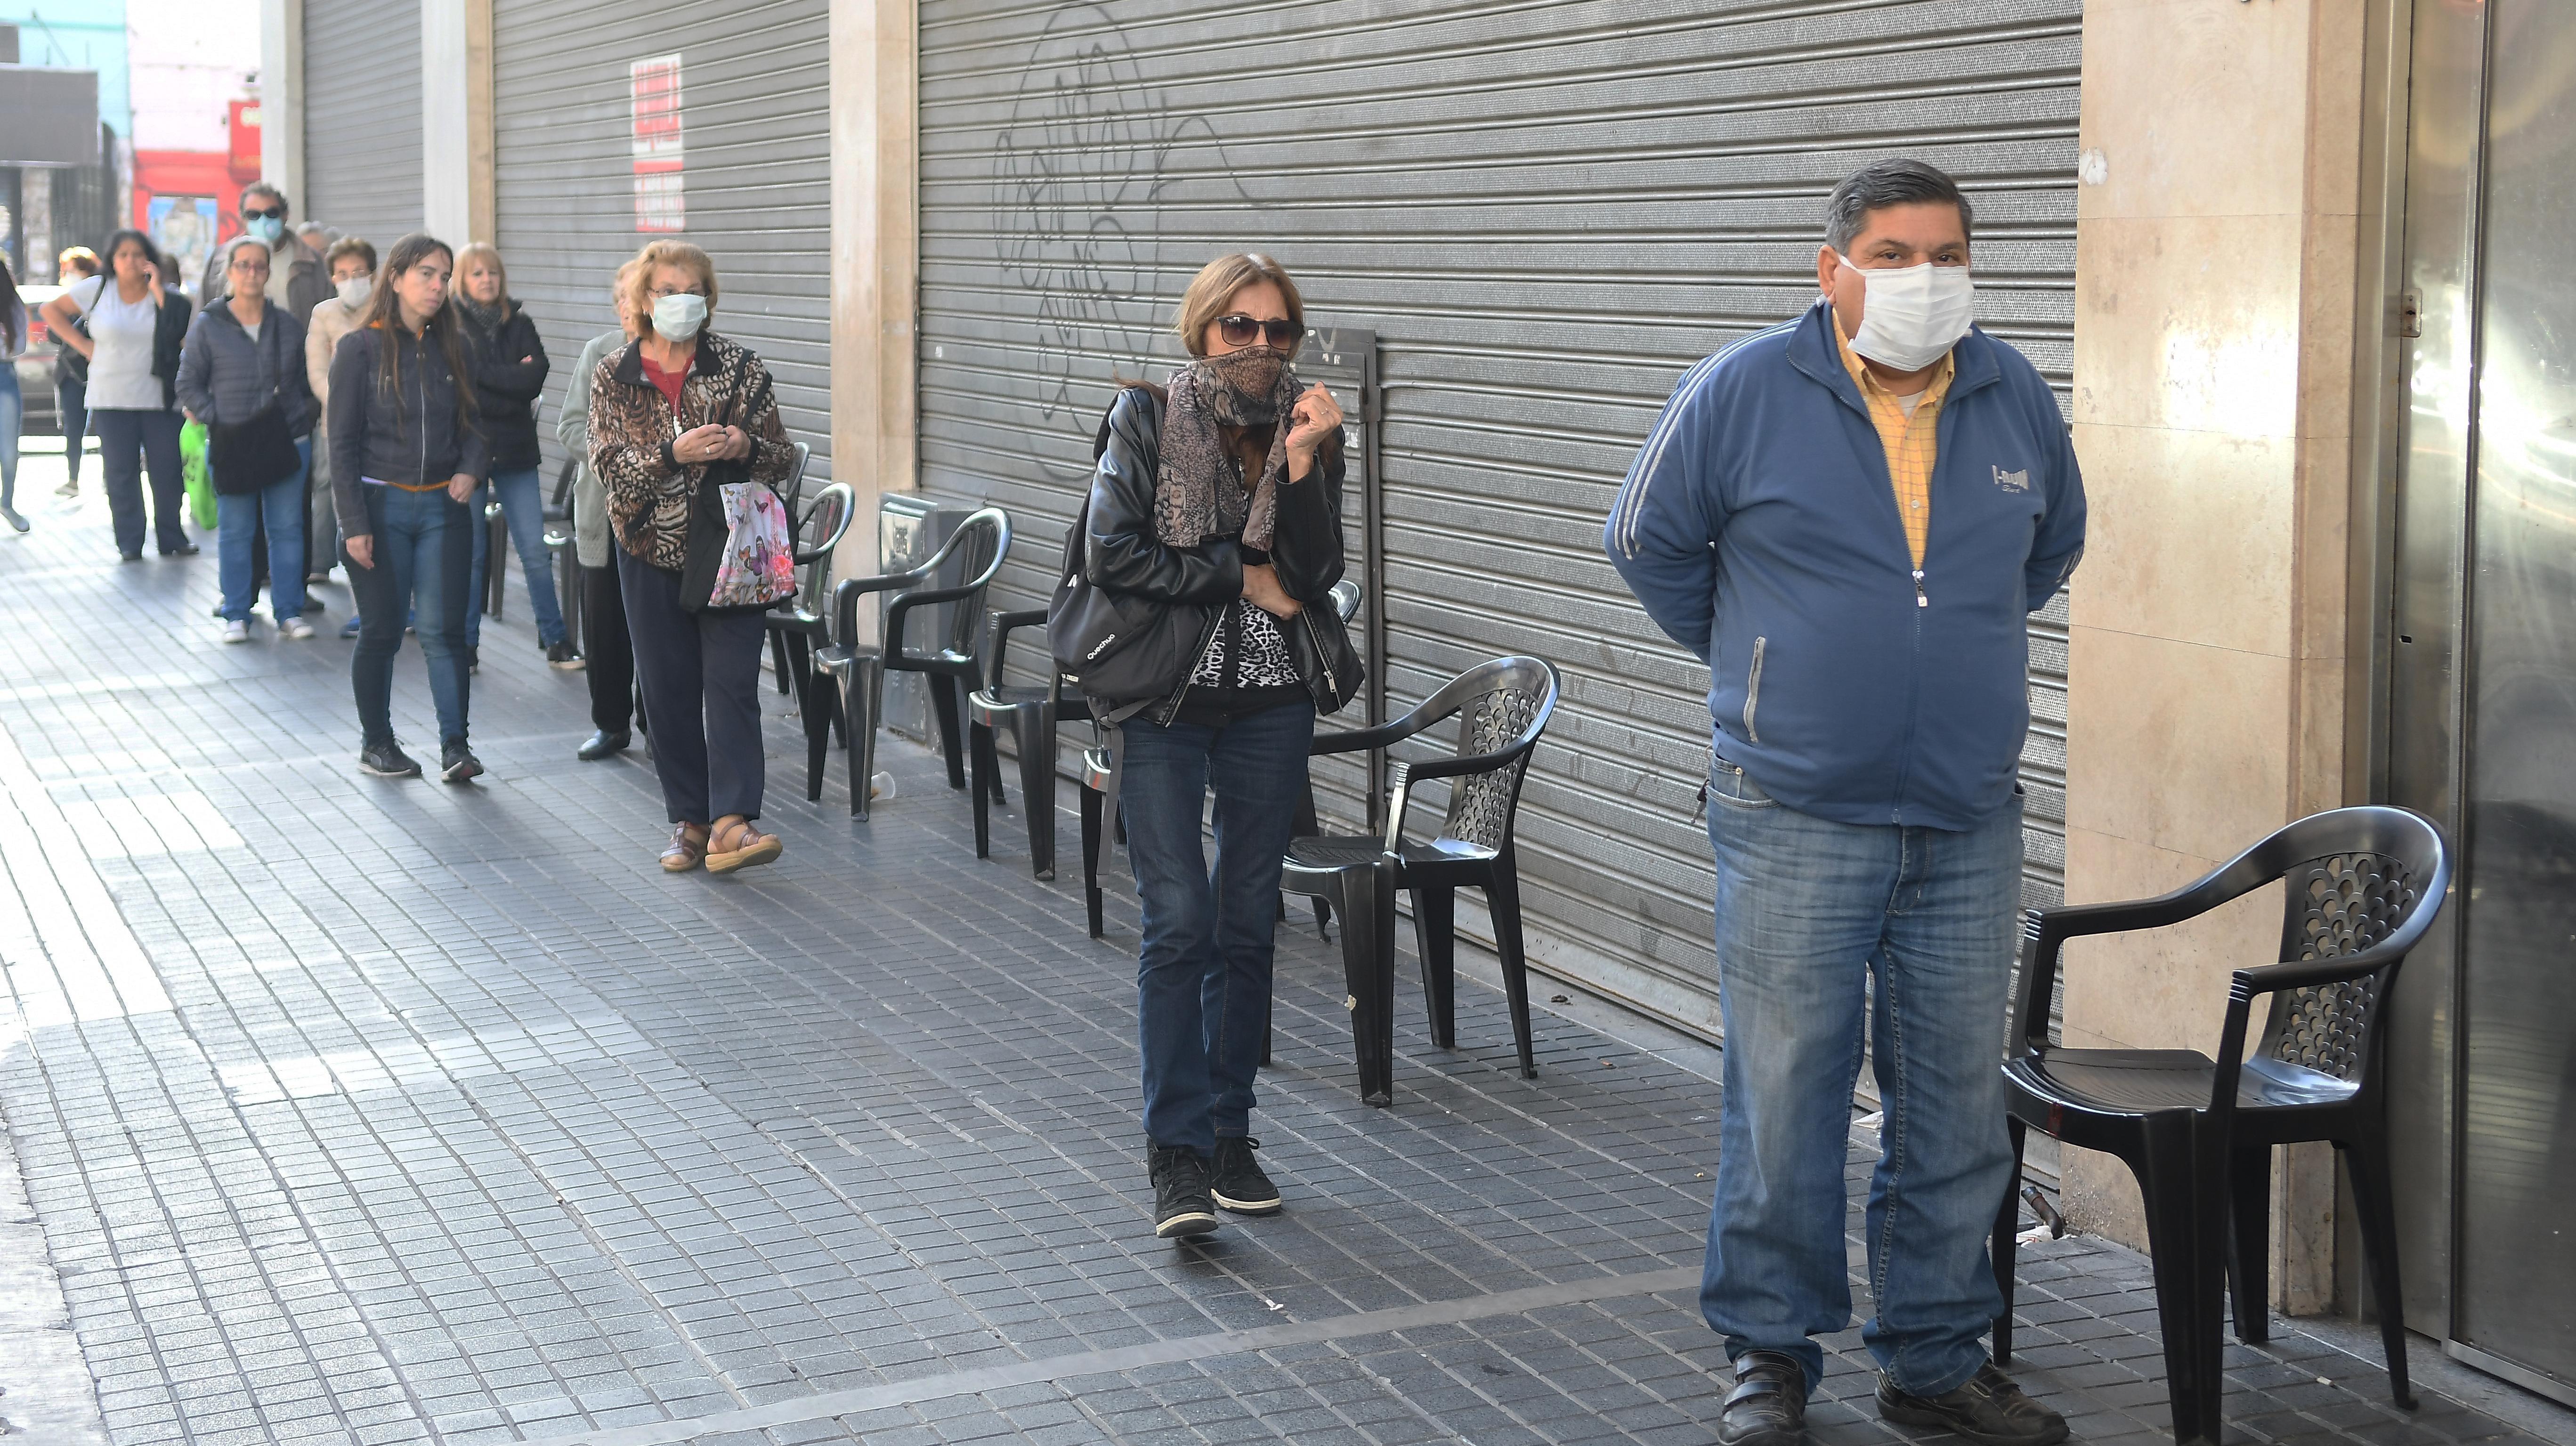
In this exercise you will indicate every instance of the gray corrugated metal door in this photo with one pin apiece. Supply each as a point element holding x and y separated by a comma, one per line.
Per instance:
<point>1546,211</point>
<point>362,117</point>
<point>755,146</point>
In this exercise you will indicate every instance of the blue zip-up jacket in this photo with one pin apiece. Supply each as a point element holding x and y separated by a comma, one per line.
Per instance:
<point>1758,526</point>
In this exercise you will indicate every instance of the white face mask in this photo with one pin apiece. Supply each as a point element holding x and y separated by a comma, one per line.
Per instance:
<point>353,289</point>
<point>677,318</point>
<point>1912,315</point>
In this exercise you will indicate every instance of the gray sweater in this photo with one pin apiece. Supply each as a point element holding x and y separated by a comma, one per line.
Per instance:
<point>572,428</point>
<point>226,377</point>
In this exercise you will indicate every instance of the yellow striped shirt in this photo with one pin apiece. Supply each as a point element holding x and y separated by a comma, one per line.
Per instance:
<point>1909,441</point>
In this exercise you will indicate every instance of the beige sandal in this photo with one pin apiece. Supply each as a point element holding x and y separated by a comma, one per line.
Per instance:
<point>688,847</point>
<point>743,847</point>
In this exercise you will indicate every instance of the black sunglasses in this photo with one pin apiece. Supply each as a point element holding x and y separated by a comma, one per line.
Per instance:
<point>253,213</point>
<point>1241,330</point>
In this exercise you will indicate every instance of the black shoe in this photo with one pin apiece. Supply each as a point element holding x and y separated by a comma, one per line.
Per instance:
<point>457,763</point>
<point>1182,1208</point>
<point>560,655</point>
<point>1989,1410</point>
<point>130,556</point>
<point>387,760</point>
<point>601,745</point>
<point>1235,1178</point>
<point>185,549</point>
<point>1768,1406</point>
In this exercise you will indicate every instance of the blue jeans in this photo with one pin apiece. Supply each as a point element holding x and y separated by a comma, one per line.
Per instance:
<point>280,508</point>
<point>130,442</point>
<point>1203,971</point>
<point>13,415</point>
<point>421,553</point>
<point>1807,910</point>
<point>524,511</point>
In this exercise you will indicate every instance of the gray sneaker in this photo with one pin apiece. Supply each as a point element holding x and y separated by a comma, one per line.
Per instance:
<point>1987,1409</point>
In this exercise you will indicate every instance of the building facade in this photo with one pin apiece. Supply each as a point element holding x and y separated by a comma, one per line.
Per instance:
<point>957,224</point>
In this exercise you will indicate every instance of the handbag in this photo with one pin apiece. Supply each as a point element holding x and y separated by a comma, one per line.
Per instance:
<point>742,542</point>
<point>1117,649</point>
<point>259,451</point>
<point>192,471</point>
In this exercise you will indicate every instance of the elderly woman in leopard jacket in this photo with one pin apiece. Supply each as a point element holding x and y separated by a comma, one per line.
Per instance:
<point>676,399</point>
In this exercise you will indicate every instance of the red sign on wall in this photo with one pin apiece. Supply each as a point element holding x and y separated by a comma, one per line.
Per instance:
<point>241,124</point>
<point>654,88</point>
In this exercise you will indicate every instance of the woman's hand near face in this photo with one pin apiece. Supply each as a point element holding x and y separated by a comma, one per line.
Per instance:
<point>1315,417</point>
<point>1261,584</point>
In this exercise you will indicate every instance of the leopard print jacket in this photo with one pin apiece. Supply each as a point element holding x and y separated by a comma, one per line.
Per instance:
<point>632,428</point>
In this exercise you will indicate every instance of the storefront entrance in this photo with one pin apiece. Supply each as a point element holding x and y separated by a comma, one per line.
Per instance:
<point>2479,721</point>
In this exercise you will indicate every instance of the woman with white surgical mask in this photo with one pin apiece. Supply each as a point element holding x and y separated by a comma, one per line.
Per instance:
<point>352,264</point>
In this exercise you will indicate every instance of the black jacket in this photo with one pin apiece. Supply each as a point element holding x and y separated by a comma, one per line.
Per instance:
<point>507,388</point>
<point>413,438</point>
<point>225,377</point>
<point>169,340</point>
<point>1123,554</point>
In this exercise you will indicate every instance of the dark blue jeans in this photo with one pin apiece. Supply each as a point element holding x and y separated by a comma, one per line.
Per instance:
<point>424,546</point>
<point>130,443</point>
<point>1809,914</point>
<point>1203,972</point>
<point>523,512</point>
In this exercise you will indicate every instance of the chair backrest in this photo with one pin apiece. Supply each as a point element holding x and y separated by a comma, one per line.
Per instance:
<point>2355,879</point>
<point>1347,596</point>
<point>976,549</point>
<point>795,482</point>
<point>827,520</point>
<point>1502,707</point>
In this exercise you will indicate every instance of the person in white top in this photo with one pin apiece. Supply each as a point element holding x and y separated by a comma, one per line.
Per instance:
<point>135,327</point>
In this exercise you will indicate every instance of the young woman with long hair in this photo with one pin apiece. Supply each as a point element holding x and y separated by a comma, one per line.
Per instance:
<point>405,454</point>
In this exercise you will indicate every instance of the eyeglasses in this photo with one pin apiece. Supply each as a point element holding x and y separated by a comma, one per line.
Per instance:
<point>254,213</point>
<point>1242,330</point>
<point>658,292</point>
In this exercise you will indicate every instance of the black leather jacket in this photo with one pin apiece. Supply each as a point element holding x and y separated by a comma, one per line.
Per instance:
<point>1122,553</point>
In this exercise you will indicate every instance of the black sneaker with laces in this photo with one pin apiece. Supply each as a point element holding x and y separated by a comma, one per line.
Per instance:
<point>559,654</point>
<point>1987,1409</point>
<point>387,760</point>
<point>1768,1406</point>
<point>1235,1178</point>
<point>457,763</point>
<point>1182,1208</point>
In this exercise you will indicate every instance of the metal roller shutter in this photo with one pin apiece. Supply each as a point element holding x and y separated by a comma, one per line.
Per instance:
<point>1545,211</point>
<point>756,181</point>
<point>362,117</point>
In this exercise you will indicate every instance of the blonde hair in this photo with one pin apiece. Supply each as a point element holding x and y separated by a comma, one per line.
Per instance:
<point>635,288</point>
<point>489,255</point>
<point>80,256</point>
<point>1216,285</point>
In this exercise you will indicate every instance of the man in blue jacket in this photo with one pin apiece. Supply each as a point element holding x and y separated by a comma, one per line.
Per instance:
<point>1848,517</point>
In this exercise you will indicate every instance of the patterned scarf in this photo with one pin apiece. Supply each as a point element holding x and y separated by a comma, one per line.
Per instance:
<point>1195,496</point>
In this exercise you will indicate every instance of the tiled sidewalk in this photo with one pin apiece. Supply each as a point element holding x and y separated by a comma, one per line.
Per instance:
<point>378,1111</point>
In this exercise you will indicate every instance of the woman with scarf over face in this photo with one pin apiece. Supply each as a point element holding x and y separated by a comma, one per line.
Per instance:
<point>1220,495</point>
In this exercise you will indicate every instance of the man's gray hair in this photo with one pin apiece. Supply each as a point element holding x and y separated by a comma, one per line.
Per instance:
<point>1894,181</point>
<point>263,188</point>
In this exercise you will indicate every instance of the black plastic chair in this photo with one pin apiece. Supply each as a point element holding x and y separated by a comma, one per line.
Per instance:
<point>980,543</point>
<point>1502,708</point>
<point>2363,885</point>
<point>803,622</point>
<point>1031,714</point>
<point>1096,768</point>
<point>567,561</point>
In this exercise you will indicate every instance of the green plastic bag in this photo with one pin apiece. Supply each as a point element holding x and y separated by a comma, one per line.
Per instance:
<point>199,477</point>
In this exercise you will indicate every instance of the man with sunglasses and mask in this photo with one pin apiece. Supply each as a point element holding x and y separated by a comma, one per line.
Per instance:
<point>297,280</point>
<point>1848,517</point>
<point>1215,516</point>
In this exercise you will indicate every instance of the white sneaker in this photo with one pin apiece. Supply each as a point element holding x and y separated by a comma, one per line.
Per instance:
<point>236,632</point>
<point>295,630</point>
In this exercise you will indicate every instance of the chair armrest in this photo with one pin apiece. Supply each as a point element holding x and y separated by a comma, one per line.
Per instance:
<point>847,592</point>
<point>901,607</point>
<point>998,627</point>
<point>1473,762</point>
<point>2045,932</point>
<point>1352,740</point>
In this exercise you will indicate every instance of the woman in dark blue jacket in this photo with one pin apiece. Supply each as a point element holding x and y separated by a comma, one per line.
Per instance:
<point>405,454</point>
<point>509,375</point>
<point>242,358</point>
